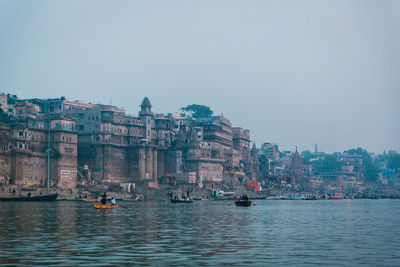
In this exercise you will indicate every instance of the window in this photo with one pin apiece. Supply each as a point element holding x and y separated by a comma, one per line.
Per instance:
<point>81,127</point>
<point>57,125</point>
<point>20,133</point>
<point>81,116</point>
<point>20,146</point>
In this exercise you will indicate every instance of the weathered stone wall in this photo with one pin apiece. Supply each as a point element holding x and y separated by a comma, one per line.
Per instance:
<point>5,167</point>
<point>29,169</point>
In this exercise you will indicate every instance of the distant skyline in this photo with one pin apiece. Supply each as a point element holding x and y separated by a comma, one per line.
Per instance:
<point>296,73</point>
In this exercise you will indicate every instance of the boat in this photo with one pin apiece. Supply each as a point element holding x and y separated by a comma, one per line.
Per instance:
<point>50,197</point>
<point>181,201</point>
<point>311,198</point>
<point>243,202</point>
<point>336,196</point>
<point>104,206</point>
<point>89,200</point>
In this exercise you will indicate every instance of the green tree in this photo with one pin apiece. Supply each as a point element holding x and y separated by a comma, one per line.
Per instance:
<point>306,156</point>
<point>329,163</point>
<point>198,111</point>
<point>370,167</point>
<point>394,160</point>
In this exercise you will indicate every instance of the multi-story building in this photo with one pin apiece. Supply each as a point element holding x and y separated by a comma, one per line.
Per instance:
<point>26,143</point>
<point>121,148</point>
<point>115,147</point>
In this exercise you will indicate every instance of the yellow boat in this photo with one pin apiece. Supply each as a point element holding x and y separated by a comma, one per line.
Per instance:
<point>104,206</point>
<point>89,200</point>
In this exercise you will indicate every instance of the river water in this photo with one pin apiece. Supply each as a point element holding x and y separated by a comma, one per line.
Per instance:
<point>205,233</point>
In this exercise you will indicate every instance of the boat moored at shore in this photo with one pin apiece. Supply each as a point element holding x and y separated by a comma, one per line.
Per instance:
<point>181,201</point>
<point>51,197</point>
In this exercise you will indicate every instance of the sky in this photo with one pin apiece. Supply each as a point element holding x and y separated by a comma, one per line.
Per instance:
<point>296,73</point>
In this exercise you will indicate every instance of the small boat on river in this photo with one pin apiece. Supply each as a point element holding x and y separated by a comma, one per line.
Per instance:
<point>336,196</point>
<point>89,200</point>
<point>243,202</point>
<point>51,197</point>
<point>104,206</point>
<point>311,198</point>
<point>181,201</point>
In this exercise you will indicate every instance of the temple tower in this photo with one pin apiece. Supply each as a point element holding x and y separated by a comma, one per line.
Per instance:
<point>146,116</point>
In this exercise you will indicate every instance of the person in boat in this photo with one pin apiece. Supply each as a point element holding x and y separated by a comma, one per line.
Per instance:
<point>113,201</point>
<point>104,198</point>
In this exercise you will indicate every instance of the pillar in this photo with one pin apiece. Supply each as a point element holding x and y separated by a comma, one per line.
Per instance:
<point>155,154</point>
<point>142,164</point>
<point>149,162</point>
<point>160,163</point>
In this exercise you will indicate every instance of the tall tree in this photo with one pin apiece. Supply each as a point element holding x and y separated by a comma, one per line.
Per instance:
<point>198,111</point>
<point>394,160</point>
<point>370,167</point>
<point>329,163</point>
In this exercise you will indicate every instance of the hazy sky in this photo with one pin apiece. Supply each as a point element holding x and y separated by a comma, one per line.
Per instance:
<point>296,73</point>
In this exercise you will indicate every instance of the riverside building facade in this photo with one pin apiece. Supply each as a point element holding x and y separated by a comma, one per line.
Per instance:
<point>115,147</point>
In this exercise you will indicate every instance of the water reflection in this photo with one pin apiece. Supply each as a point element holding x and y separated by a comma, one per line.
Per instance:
<point>203,233</point>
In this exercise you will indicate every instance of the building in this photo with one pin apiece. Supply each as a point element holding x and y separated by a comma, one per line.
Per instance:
<point>26,143</point>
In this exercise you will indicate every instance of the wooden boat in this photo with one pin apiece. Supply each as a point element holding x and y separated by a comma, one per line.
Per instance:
<point>181,201</point>
<point>336,196</point>
<point>51,197</point>
<point>89,200</point>
<point>264,197</point>
<point>104,206</point>
<point>243,203</point>
<point>311,198</point>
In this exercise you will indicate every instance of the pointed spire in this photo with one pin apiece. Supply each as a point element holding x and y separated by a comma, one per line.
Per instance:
<point>254,146</point>
<point>146,103</point>
<point>180,141</point>
<point>145,108</point>
<point>193,142</point>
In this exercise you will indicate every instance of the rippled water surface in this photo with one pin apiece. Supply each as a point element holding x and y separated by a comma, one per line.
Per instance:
<point>343,232</point>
